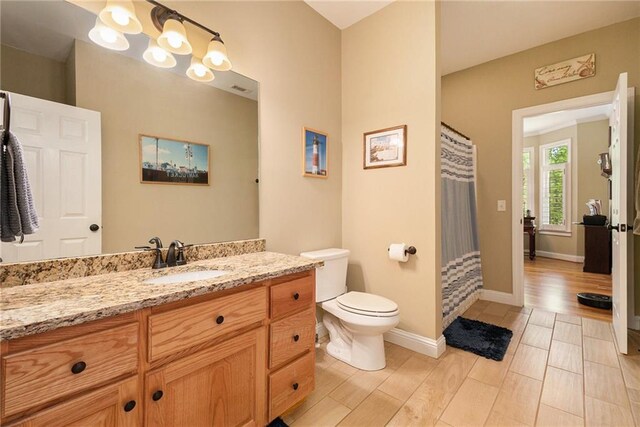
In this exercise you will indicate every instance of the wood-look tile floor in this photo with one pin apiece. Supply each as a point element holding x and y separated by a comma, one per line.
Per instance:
<point>559,370</point>
<point>552,284</point>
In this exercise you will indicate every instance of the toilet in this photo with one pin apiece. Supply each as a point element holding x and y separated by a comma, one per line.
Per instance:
<point>355,320</point>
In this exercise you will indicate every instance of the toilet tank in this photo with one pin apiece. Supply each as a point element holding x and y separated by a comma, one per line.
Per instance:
<point>331,279</point>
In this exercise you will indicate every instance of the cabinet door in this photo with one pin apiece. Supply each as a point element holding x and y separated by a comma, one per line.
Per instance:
<point>220,386</point>
<point>115,405</point>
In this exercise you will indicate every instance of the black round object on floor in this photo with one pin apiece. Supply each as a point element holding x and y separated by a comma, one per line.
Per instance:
<point>595,300</point>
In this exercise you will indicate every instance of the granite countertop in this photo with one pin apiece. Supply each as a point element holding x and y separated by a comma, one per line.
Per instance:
<point>36,308</point>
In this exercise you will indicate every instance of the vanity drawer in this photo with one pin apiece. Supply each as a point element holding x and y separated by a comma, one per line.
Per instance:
<point>292,336</point>
<point>37,376</point>
<point>292,296</point>
<point>181,328</point>
<point>291,384</point>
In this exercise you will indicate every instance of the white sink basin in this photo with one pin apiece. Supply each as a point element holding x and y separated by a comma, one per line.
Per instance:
<point>191,276</point>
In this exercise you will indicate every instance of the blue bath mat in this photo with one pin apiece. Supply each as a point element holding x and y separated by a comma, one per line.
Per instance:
<point>481,338</point>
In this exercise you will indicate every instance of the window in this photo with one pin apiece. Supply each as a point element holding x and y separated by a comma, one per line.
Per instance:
<point>555,186</point>
<point>528,184</point>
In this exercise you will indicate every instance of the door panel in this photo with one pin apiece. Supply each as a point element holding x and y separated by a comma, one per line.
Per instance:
<point>621,153</point>
<point>62,153</point>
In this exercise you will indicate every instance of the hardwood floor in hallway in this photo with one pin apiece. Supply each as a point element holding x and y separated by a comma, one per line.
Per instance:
<point>551,284</point>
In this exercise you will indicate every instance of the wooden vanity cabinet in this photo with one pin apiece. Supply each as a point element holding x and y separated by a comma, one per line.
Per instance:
<point>233,358</point>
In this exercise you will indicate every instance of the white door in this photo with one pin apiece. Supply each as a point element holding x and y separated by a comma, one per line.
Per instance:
<point>61,147</point>
<point>621,196</point>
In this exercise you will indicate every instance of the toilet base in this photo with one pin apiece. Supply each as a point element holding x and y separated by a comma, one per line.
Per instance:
<point>365,352</point>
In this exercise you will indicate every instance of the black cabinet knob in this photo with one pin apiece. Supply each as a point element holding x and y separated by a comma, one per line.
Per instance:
<point>295,386</point>
<point>157,395</point>
<point>78,367</point>
<point>296,296</point>
<point>219,320</point>
<point>296,337</point>
<point>94,227</point>
<point>128,407</point>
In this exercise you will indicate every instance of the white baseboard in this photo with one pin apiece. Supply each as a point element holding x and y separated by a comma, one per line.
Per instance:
<point>417,343</point>
<point>554,255</point>
<point>496,296</point>
<point>635,324</point>
<point>321,331</point>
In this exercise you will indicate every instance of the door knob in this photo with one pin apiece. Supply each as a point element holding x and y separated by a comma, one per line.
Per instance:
<point>94,227</point>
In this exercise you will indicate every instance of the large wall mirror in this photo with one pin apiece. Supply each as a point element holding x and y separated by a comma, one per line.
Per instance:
<point>80,112</point>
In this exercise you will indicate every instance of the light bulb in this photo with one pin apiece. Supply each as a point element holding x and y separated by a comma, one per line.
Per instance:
<point>174,40</point>
<point>217,58</point>
<point>120,16</point>
<point>159,55</point>
<point>108,35</point>
<point>200,70</point>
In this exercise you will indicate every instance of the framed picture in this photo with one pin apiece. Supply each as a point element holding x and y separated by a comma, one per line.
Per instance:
<point>315,153</point>
<point>170,161</point>
<point>385,147</point>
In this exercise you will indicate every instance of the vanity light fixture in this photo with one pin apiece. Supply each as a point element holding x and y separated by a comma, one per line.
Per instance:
<point>198,71</point>
<point>120,15</point>
<point>105,36</point>
<point>216,57</point>
<point>156,55</point>
<point>174,37</point>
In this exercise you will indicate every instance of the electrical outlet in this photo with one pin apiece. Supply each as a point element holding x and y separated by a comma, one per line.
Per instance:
<point>502,205</point>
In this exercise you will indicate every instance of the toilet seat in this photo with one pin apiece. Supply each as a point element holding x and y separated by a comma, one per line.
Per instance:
<point>365,304</point>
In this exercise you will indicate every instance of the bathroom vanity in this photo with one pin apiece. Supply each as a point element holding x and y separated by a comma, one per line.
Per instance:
<point>232,350</point>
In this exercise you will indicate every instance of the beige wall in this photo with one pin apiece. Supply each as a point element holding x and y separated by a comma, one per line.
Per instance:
<point>587,141</point>
<point>295,55</point>
<point>32,75</point>
<point>479,101</point>
<point>387,81</point>
<point>155,102</point>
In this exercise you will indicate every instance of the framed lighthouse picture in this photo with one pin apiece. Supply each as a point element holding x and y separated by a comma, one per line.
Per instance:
<point>314,152</point>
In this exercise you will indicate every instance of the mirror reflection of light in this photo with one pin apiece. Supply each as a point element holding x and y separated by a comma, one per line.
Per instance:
<point>109,35</point>
<point>159,55</point>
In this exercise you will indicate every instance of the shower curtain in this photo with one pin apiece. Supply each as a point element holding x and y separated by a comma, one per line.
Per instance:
<point>461,270</point>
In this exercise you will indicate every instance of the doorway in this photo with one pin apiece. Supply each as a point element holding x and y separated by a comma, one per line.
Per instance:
<point>550,198</point>
<point>564,251</point>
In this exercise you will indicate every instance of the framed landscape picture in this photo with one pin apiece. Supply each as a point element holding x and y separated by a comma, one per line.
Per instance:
<point>314,152</point>
<point>385,147</point>
<point>169,161</point>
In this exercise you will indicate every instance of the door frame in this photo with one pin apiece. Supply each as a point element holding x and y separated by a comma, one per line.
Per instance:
<point>517,237</point>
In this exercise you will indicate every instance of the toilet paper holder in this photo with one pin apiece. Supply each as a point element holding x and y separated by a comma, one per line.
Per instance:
<point>411,250</point>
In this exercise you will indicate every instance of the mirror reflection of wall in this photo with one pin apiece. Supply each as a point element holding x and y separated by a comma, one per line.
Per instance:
<point>51,58</point>
<point>561,173</point>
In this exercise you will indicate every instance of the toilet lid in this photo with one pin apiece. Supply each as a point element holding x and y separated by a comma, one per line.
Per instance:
<point>367,304</point>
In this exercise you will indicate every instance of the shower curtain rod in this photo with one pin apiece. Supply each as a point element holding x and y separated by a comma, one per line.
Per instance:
<point>456,131</point>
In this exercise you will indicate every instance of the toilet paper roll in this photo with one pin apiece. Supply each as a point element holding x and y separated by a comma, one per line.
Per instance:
<point>398,252</point>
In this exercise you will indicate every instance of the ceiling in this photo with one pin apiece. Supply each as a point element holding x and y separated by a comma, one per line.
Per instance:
<point>474,32</point>
<point>343,14</point>
<point>549,122</point>
<point>48,28</point>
